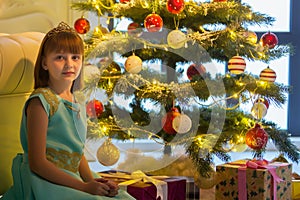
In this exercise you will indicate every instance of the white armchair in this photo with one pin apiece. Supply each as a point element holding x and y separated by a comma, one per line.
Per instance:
<point>18,53</point>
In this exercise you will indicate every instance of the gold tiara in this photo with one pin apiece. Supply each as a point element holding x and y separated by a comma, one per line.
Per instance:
<point>62,27</point>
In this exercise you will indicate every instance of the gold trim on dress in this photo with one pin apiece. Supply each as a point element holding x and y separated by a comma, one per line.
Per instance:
<point>50,97</point>
<point>64,159</point>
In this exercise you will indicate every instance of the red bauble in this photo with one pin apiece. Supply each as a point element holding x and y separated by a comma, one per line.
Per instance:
<point>167,121</point>
<point>94,108</point>
<point>195,70</point>
<point>82,25</point>
<point>175,6</point>
<point>269,39</point>
<point>264,101</point>
<point>219,0</point>
<point>153,22</point>
<point>256,138</point>
<point>124,1</point>
<point>133,28</point>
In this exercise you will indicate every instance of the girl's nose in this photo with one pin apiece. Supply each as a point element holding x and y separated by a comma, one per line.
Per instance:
<point>69,62</point>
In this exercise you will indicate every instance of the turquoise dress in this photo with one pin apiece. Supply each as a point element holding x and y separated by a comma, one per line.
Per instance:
<point>65,143</point>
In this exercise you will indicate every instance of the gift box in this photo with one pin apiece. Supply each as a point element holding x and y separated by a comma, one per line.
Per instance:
<point>296,186</point>
<point>173,189</point>
<point>296,189</point>
<point>266,182</point>
<point>192,190</point>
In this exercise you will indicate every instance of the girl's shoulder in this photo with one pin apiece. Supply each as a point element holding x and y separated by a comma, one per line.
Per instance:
<point>48,98</point>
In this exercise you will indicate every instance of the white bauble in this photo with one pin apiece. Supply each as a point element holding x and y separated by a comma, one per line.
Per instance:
<point>91,72</point>
<point>182,123</point>
<point>133,64</point>
<point>176,39</point>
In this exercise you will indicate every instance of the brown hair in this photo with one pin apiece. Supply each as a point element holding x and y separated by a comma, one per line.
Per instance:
<point>61,38</point>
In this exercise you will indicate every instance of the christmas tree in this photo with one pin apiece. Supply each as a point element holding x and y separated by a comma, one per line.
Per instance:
<point>187,102</point>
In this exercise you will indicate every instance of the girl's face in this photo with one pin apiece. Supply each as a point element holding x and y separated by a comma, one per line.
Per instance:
<point>63,67</point>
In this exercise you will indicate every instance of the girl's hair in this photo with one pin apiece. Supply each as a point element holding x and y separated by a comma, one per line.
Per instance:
<point>62,38</point>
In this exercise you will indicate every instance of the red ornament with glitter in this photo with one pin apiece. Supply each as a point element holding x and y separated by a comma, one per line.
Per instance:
<point>153,22</point>
<point>82,25</point>
<point>167,121</point>
<point>175,6</point>
<point>94,108</point>
<point>195,70</point>
<point>257,137</point>
<point>268,75</point>
<point>124,1</point>
<point>269,39</point>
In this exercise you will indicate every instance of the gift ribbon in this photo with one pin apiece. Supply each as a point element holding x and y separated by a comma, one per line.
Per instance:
<point>256,164</point>
<point>136,176</point>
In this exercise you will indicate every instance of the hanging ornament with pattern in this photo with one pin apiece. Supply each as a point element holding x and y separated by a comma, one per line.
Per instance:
<point>256,138</point>
<point>175,6</point>
<point>153,22</point>
<point>269,39</point>
<point>259,110</point>
<point>108,154</point>
<point>82,25</point>
<point>236,65</point>
<point>268,75</point>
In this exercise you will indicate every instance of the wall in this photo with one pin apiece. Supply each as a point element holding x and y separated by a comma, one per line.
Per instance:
<point>34,15</point>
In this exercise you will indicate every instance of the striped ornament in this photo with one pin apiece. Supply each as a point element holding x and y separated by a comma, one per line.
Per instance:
<point>236,65</point>
<point>268,75</point>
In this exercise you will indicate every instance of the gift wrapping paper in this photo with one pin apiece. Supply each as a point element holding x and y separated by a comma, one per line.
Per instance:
<point>259,182</point>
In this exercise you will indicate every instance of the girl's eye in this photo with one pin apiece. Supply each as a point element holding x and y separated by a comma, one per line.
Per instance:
<point>59,57</point>
<point>77,57</point>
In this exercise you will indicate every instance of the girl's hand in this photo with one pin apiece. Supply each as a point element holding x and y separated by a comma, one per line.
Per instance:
<point>113,187</point>
<point>97,188</point>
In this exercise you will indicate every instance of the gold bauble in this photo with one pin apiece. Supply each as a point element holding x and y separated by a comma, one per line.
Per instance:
<point>133,64</point>
<point>108,154</point>
<point>206,182</point>
<point>176,39</point>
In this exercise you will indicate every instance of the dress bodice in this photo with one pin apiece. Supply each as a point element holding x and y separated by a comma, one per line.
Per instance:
<point>66,128</point>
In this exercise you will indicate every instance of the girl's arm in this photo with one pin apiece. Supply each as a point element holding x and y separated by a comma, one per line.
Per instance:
<point>87,176</point>
<point>37,124</point>
<point>85,171</point>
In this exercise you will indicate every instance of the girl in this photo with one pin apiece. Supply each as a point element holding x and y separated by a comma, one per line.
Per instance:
<point>53,129</point>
